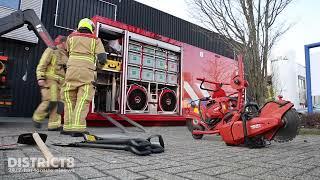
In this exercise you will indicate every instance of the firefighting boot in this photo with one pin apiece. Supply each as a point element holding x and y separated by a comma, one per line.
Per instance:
<point>64,132</point>
<point>36,125</point>
<point>55,129</point>
<point>79,134</point>
<point>74,133</point>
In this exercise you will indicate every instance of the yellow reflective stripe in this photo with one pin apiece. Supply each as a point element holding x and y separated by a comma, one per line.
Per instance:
<point>74,128</point>
<point>77,126</point>
<point>71,44</point>
<point>53,92</point>
<point>53,64</point>
<point>51,71</point>
<point>77,54</point>
<point>78,129</point>
<point>86,58</point>
<point>94,50</point>
<point>93,47</point>
<point>67,127</point>
<point>78,111</point>
<point>38,117</point>
<point>83,98</point>
<point>55,122</point>
<point>54,76</point>
<point>69,104</point>
<point>40,73</point>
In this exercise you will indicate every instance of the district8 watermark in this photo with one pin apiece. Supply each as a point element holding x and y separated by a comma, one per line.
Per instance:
<point>32,164</point>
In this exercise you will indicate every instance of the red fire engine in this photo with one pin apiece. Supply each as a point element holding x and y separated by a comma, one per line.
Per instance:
<point>148,77</point>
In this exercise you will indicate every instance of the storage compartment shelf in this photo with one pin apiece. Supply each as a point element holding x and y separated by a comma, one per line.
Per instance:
<point>151,76</point>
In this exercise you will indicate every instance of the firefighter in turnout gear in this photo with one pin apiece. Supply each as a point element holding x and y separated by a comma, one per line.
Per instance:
<point>50,75</point>
<point>78,90</point>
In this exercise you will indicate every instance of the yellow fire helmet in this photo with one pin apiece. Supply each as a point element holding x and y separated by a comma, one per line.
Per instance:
<point>86,23</point>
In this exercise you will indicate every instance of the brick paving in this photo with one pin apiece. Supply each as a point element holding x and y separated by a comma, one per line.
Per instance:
<point>184,157</point>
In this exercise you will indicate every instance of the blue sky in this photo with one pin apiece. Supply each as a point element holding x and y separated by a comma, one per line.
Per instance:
<point>304,14</point>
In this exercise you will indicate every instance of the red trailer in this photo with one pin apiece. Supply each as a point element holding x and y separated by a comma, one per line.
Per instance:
<point>148,77</point>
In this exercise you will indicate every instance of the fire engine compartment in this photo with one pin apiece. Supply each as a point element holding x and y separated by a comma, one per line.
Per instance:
<point>5,89</point>
<point>142,75</point>
<point>108,77</point>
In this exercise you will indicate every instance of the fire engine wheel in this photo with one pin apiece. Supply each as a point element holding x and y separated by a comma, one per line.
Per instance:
<point>2,67</point>
<point>197,127</point>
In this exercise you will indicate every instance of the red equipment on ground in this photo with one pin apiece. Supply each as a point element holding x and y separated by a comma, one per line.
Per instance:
<point>239,123</point>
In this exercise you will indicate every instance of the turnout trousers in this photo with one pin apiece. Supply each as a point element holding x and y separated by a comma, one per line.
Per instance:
<point>50,95</point>
<point>77,93</point>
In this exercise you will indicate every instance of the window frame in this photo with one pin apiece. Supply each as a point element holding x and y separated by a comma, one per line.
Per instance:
<point>301,82</point>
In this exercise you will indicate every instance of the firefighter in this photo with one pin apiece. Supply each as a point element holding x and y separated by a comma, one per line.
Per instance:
<point>78,90</point>
<point>50,75</point>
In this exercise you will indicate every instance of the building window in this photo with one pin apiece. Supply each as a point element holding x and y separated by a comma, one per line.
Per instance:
<point>12,4</point>
<point>301,82</point>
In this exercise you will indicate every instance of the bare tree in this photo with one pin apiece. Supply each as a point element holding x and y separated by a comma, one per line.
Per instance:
<point>250,27</point>
<point>218,70</point>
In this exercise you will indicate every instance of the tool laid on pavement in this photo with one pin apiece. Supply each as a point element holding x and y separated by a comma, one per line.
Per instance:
<point>23,139</point>
<point>52,162</point>
<point>138,146</point>
<point>239,123</point>
<point>114,122</point>
<point>119,125</point>
<point>39,139</point>
<point>132,122</point>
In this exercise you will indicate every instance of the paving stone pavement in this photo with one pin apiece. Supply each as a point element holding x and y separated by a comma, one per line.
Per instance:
<point>184,157</point>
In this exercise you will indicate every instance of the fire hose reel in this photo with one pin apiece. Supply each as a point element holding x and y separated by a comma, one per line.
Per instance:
<point>3,79</point>
<point>167,100</point>
<point>137,98</point>
<point>2,68</point>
